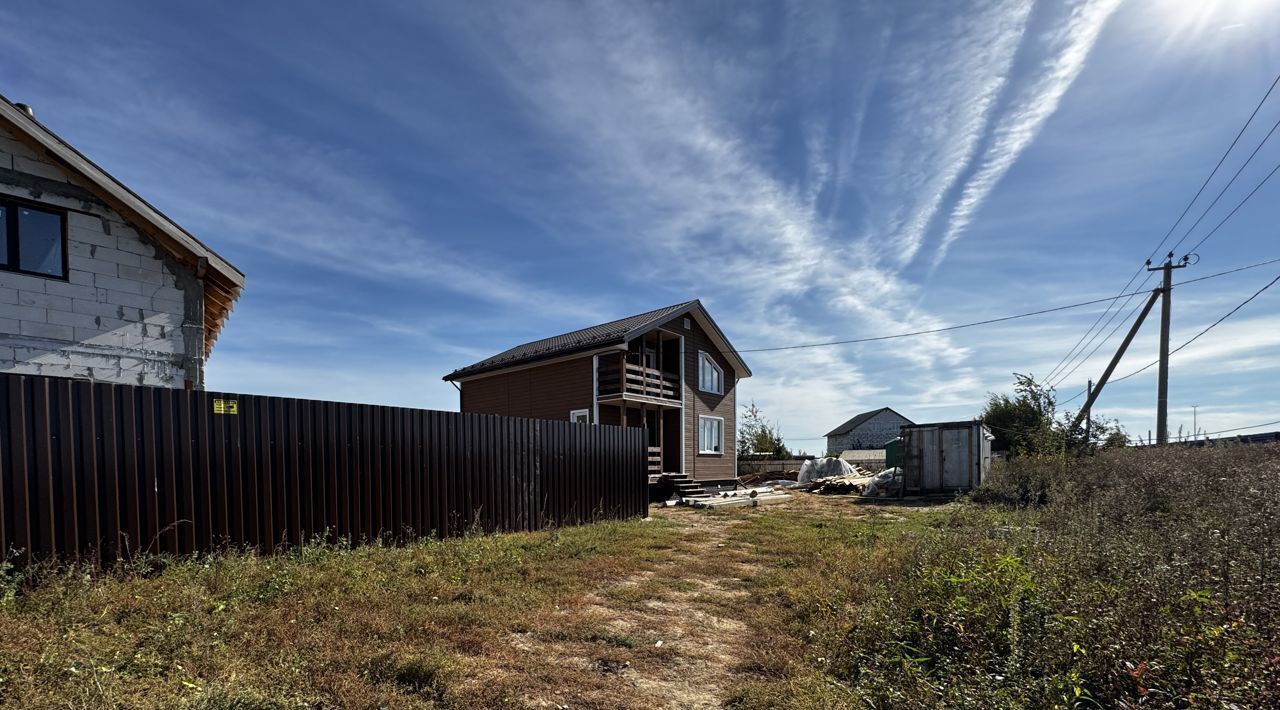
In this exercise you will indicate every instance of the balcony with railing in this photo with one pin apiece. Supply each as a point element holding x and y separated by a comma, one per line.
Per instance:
<point>626,376</point>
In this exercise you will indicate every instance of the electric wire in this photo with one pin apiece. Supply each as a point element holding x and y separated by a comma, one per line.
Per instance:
<point>1081,393</point>
<point>1237,209</point>
<point>1226,187</point>
<point>1239,428</point>
<point>990,321</point>
<point>1062,377</point>
<point>1193,338</point>
<point>1133,314</point>
<point>1169,233</point>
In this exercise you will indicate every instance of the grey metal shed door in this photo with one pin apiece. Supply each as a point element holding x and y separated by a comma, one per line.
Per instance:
<point>955,458</point>
<point>931,461</point>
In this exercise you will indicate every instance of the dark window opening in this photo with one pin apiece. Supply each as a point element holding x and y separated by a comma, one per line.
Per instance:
<point>34,239</point>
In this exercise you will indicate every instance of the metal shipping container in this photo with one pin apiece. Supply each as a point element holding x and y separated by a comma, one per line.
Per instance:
<point>945,456</point>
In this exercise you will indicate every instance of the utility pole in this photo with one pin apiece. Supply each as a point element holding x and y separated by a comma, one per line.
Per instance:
<point>1088,420</point>
<point>1195,429</point>
<point>1162,388</point>
<point>1115,360</point>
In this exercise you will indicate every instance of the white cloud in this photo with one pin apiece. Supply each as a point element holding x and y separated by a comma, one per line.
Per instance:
<point>655,144</point>
<point>947,80</point>
<point>1069,45</point>
<point>647,121</point>
<point>233,180</point>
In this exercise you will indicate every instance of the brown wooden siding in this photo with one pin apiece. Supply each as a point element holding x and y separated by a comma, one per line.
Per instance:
<point>548,391</point>
<point>551,391</point>
<point>706,467</point>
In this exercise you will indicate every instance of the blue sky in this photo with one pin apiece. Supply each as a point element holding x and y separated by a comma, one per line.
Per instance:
<point>413,186</point>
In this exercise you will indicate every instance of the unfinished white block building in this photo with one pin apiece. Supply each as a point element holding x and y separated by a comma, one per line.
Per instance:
<point>94,282</point>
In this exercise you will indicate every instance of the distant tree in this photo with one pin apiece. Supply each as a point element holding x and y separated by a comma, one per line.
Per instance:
<point>1023,424</point>
<point>756,435</point>
<point>1028,424</point>
<point>1115,439</point>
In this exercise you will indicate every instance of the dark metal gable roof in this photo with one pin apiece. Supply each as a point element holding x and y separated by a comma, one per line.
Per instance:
<point>860,420</point>
<point>596,336</point>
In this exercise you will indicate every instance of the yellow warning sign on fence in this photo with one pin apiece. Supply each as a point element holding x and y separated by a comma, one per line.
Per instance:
<point>225,406</point>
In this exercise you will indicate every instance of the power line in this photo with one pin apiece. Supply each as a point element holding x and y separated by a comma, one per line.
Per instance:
<point>1229,271</point>
<point>1226,187</point>
<point>932,330</point>
<point>1236,209</point>
<point>1169,233</point>
<point>992,320</point>
<point>1206,330</point>
<point>1114,330</point>
<point>1072,351</point>
<point>1193,338</point>
<point>1063,376</point>
<point>1239,428</point>
<point>1221,160</point>
<point>1083,358</point>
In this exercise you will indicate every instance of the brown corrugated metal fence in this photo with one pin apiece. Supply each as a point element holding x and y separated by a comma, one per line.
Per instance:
<point>101,469</point>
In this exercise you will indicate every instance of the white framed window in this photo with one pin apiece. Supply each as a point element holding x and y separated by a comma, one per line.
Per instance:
<point>710,376</point>
<point>710,435</point>
<point>580,416</point>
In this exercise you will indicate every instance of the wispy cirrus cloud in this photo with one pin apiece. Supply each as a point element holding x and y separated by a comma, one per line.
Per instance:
<point>792,163</point>
<point>665,156</point>
<point>1068,44</point>
<point>945,86</point>
<point>254,186</point>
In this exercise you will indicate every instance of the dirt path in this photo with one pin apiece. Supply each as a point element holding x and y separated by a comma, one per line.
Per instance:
<point>663,637</point>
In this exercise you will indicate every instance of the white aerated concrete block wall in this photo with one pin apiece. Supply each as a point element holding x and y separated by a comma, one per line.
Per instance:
<point>117,318</point>
<point>871,435</point>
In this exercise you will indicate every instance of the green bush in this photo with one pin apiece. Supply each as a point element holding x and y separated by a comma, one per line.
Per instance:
<point>1137,577</point>
<point>1019,482</point>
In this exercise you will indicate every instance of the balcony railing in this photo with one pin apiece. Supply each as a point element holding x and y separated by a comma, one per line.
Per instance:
<point>631,378</point>
<point>655,459</point>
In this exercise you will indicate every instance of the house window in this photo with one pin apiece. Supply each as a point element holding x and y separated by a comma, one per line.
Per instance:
<point>710,376</point>
<point>710,435</point>
<point>33,239</point>
<point>580,416</point>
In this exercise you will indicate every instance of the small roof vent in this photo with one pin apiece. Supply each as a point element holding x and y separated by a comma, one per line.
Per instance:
<point>26,108</point>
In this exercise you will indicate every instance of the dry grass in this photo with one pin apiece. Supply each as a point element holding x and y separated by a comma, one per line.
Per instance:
<point>422,626</point>
<point>638,614</point>
<point>1147,580</point>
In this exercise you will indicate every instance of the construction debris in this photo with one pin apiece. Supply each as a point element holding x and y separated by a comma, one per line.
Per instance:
<point>764,478</point>
<point>827,467</point>
<point>751,499</point>
<point>691,493</point>
<point>851,484</point>
<point>886,483</point>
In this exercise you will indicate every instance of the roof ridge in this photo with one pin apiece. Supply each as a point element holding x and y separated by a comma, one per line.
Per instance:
<point>586,337</point>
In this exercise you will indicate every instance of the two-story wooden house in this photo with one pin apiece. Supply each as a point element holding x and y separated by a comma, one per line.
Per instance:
<point>670,370</point>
